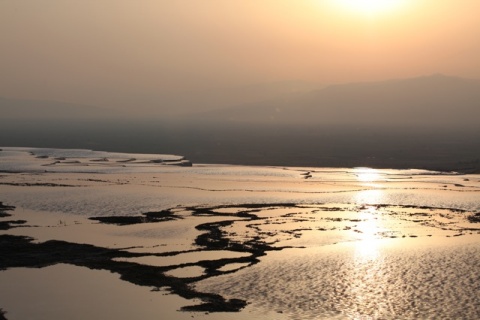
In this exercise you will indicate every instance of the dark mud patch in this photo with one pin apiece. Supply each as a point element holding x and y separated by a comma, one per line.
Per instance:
<point>8,224</point>
<point>148,217</point>
<point>475,218</point>
<point>30,184</point>
<point>22,251</point>
<point>2,314</point>
<point>256,239</point>
<point>3,210</point>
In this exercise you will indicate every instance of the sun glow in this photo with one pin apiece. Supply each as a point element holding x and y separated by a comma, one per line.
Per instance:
<point>368,228</point>
<point>370,7</point>
<point>367,174</point>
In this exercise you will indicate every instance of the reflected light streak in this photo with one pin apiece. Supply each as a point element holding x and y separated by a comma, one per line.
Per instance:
<point>367,177</point>
<point>374,196</point>
<point>367,174</point>
<point>367,273</point>
<point>367,247</point>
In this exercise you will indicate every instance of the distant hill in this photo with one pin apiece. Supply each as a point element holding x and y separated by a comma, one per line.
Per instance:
<point>44,109</point>
<point>179,104</point>
<point>151,107</point>
<point>435,100</point>
<point>429,100</point>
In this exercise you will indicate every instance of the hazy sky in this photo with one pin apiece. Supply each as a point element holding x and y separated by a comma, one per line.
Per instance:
<point>122,52</point>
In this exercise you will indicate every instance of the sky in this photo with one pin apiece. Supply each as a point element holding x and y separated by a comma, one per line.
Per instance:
<point>125,53</point>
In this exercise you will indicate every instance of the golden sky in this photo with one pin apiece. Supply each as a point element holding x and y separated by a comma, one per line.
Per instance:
<point>103,51</point>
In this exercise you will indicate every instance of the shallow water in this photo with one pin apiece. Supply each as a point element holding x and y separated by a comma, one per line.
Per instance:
<point>357,281</point>
<point>70,292</point>
<point>133,188</point>
<point>356,242</point>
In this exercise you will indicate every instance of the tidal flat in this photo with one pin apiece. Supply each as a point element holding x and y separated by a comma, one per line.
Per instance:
<point>87,235</point>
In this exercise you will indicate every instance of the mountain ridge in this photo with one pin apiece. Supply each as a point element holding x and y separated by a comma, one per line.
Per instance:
<point>426,100</point>
<point>435,99</point>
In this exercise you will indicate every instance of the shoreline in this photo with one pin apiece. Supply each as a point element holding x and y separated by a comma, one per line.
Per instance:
<point>438,159</point>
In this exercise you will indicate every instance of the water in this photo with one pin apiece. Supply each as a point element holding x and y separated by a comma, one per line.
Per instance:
<point>409,282</point>
<point>126,188</point>
<point>359,242</point>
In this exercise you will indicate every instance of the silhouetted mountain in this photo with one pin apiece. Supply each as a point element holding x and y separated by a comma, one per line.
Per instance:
<point>430,100</point>
<point>44,109</point>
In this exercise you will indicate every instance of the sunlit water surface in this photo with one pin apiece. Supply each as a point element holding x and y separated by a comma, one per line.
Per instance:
<point>362,281</point>
<point>367,243</point>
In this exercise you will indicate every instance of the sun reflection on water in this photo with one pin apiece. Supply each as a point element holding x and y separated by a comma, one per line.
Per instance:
<point>368,177</point>
<point>373,196</point>
<point>367,273</point>
<point>366,248</point>
<point>367,174</point>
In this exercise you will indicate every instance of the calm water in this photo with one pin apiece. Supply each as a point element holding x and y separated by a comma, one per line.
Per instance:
<point>363,243</point>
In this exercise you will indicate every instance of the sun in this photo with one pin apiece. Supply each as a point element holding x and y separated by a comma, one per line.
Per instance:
<point>370,7</point>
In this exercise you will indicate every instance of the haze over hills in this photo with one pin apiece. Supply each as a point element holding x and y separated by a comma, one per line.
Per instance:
<point>16,109</point>
<point>173,104</point>
<point>426,101</point>
<point>180,103</point>
<point>425,122</point>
